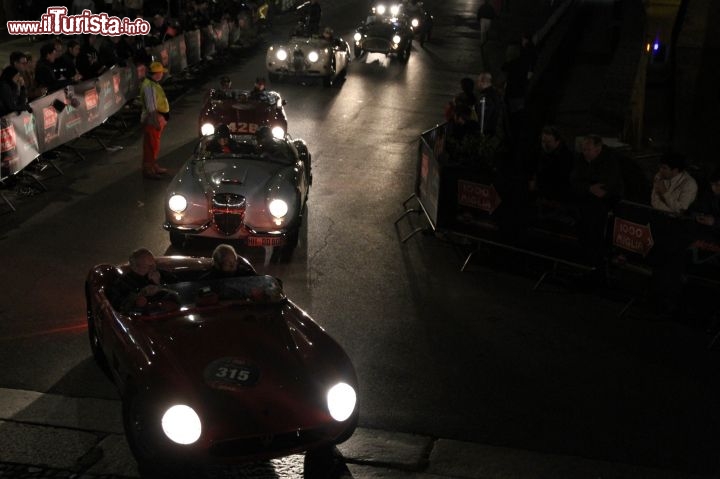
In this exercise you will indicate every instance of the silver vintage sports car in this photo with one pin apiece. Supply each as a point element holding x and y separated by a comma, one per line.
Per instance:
<point>251,189</point>
<point>306,57</point>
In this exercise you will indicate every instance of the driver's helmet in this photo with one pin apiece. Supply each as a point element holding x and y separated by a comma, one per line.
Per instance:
<point>223,131</point>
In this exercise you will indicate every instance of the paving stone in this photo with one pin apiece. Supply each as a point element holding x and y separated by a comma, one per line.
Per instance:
<point>406,451</point>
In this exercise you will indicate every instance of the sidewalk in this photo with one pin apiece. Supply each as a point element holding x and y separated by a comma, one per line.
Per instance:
<point>48,435</point>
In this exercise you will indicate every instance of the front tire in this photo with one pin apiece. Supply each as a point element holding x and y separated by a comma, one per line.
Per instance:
<point>320,463</point>
<point>178,240</point>
<point>358,52</point>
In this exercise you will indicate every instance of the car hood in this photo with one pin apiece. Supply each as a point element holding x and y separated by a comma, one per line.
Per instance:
<point>241,176</point>
<point>241,368</point>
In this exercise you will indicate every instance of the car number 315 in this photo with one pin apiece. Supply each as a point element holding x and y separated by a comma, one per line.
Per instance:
<point>226,373</point>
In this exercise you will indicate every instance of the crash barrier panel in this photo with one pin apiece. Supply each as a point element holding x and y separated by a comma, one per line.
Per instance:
<point>478,203</point>
<point>647,238</point>
<point>64,115</point>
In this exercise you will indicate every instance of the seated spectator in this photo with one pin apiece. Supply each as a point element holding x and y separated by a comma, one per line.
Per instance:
<point>550,177</point>
<point>13,96</point>
<point>597,184</point>
<point>160,30</point>
<point>113,51</point>
<point>222,142</point>
<point>45,79</point>
<point>674,190</point>
<point>143,284</point>
<point>224,263</point>
<point>707,208</point>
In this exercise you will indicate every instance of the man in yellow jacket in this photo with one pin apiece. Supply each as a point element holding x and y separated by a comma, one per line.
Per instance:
<point>154,118</point>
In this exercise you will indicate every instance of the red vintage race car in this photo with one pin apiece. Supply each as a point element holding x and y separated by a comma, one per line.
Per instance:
<point>220,371</point>
<point>243,112</point>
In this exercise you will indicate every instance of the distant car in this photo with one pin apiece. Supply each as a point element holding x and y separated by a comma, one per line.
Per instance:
<point>420,20</point>
<point>384,31</point>
<point>219,371</point>
<point>255,194</point>
<point>243,112</point>
<point>306,57</point>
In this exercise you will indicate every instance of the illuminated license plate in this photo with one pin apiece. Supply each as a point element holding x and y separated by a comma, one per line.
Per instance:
<point>254,241</point>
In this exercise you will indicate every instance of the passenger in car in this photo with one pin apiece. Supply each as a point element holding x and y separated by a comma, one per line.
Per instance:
<point>224,263</point>
<point>144,283</point>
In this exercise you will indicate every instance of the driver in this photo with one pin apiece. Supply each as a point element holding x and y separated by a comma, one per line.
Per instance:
<point>143,284</point>
<point>225,91</point>
<point>222,142</point>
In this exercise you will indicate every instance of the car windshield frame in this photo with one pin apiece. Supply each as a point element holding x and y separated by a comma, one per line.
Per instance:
<point>282,152</point>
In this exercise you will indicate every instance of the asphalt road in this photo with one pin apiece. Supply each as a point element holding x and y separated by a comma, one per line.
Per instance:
<point>477,356</point>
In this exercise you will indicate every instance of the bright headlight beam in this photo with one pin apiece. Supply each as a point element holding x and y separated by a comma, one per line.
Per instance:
<point>394,10</point>
<point>357,36</point>
<point>396,39</point>
<point>177,203</point>
<point>278,208</point>
<point>380,9</point>
<point>341,400</point>
<point>415,22</point>
<point>278,132</point>
<point>313,56</point>
<point>181,424</point>
<point>207,129</point>
<point>281,55</point>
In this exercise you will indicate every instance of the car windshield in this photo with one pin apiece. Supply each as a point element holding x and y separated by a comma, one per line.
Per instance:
<point>246,147</point>
<point>233,291</point>
<point>236,96</point>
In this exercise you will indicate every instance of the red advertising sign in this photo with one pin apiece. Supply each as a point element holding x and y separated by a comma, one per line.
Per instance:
<point>49,117</point>
<point>91,99</point>
<point>476,195</point>
<point>632,237</point>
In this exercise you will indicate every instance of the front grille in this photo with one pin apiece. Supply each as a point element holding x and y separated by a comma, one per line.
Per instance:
<point>228,210</point>
<point>376,44</point>
<point>298,60</point>
<point>264,444</point>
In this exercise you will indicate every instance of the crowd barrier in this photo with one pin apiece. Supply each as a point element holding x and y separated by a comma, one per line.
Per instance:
<point>62,116</point>
<point>478,204</point>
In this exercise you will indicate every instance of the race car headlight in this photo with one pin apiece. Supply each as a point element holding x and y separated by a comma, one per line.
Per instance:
<point>357,36</point>
<point>207,129</point>
<point>278,208</point>
<point>177,203</point>
<point>415,22</point>
<point>278,132</point>
<point>313,56</point>
<point>281,54</point>
<point>380,9</point>
<point>396,39</point>
<point>341,400</point>
<point>394,10</point>
<point>181,424</point>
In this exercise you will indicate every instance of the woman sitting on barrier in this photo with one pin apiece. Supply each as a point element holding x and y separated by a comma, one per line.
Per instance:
<point>13,96</point>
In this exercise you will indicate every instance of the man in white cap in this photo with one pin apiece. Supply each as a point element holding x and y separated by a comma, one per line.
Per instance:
<point>154,118</point>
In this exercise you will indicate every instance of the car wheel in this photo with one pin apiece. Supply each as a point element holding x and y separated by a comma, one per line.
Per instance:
<point>327,81</point>
<point>141,437</point>
<point>405,56</point>
<point>178,240</point>
<point>93,337</point>
<point>287,250</point>
<point>358,52</point>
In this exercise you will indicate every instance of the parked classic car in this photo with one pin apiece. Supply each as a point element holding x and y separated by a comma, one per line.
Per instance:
<point>243,112</point>
<point>233,372</point>
<point>255,194</point>
<point>384,31</point>
<point>306,57</point>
